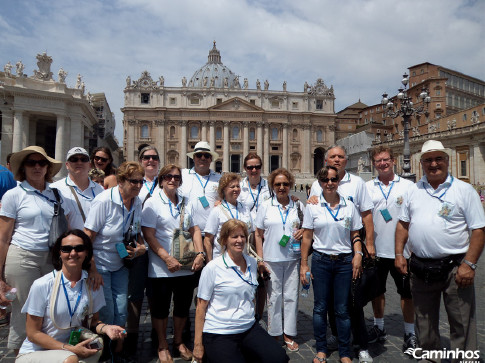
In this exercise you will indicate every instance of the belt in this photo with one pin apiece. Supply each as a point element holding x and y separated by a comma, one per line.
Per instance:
<point>333,257</point>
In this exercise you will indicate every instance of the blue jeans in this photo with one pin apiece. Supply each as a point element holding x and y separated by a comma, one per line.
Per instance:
<point>331,275</point>
<point>116,295</point>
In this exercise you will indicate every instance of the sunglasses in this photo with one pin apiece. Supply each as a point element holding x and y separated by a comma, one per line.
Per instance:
<point>252,167</point>
<point>100,158</point>
<point>148,157</point>
<point>439,159</point>
<point>135,181</point>
<point>168,177</point>
<point>205,155</point>
<point>77,248</point>
<point>285,184</point>
<point>326,180</point>
<point>32,162</point>
<point>75,159</point>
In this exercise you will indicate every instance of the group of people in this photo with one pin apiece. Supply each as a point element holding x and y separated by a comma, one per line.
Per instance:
<point>253,242</point>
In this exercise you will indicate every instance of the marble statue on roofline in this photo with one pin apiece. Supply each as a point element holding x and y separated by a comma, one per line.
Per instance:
<point>62,74</point>
<point>266,85</point>
<point>20,68</point>
<point>44,63</point>
<point>8,69</point>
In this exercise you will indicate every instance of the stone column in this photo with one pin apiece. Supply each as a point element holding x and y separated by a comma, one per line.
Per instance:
<point>259,139</point>
<point>19,131</point>
<point>160,125</point>
<point>7,133</point>
<point>60,150</point>
<point>285,146</point>
<point>212,141</point>
<point>245,138</point>
<point>225,156</point>
<point>183,144</point>
<point>77,131</point>
<point>266,150</point>
<point>203,131</point>
<point>306,149</point>
<point>130,142</point>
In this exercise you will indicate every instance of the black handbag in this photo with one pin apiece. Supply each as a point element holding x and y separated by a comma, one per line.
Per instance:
<point>129,239</point>
<point>59,221</point>
<point>366,287</point>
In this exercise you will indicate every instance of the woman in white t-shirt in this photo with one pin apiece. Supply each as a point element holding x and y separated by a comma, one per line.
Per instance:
<point>334,224</point>
<point>161,216</point>
<point>229,208</point>
<point>225,328</point>
<point>25,223</point>
<point>278,223</point>
<point>60,302</point>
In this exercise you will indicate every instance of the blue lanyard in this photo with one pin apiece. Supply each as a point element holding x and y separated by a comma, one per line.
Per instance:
<point>250,281</point>
<point>176,207</point>
<point>259,191</point>
<point>382,191</point>
<point>281,215</point>
<point>81,194</point>
<point>71,312</point>
<point>442,195</point>
<point>123,210</point>
<point>334,216</point>
<point>200,181</point>
<point>150,190</point>
<point>42,195</point>
<point>229,209</point>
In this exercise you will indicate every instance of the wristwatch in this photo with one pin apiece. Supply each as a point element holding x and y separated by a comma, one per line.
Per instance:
<point>473,266</point>
<point>203,254</point>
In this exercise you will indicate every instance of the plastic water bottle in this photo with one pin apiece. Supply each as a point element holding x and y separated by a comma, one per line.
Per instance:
<point>10,295</point>
<point>306,288</point>
<point>295,245</point>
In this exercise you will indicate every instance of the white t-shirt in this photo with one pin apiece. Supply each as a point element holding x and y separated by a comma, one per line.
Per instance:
<point>148,188</point>
<point>195,186</point>
<point>332,236</point>
<point>384,232</point>
<point>252,199</point>
<point>351,187</point>
<point>110,219</point>
<point>85,199</point>
<point>159,213</point>
<point>230,295</point>
<point>440,220</point>
<point>38,304</point>
<point>32,211</point>
<point>222,213</point>
<point>270,218</point>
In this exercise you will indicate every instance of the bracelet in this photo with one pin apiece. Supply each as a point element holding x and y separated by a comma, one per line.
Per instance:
<point>101,330</point>
<point>360,253</point>
<point>64,347</point>
<point>259,259</point>
<point>399,254</point>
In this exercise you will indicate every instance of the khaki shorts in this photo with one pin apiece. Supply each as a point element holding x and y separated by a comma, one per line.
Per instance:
<point>53,356</point>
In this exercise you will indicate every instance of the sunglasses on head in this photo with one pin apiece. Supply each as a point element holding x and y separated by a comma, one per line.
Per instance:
<point>205,155</point>
<point>168,177</point>
<point>252,167</point>
<point>100,158</point>
<point>32,162</point>
<point>77,248</point>
<point>284,184</point>
<point>148,157</point>
<point>75,159</point>
<point>135,181</point>
<point>326,180</point>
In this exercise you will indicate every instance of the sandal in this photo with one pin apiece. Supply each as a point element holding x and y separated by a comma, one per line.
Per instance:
<point>167,355</point>
<point>186,355</point>
<point>319,359</point>
<point>292,346</point>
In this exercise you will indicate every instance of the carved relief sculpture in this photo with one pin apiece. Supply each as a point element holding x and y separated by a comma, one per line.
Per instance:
<point>44,63</point>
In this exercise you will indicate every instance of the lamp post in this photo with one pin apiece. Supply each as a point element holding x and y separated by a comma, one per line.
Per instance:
<point>404,108</point>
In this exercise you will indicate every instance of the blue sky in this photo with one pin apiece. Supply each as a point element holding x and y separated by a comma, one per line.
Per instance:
<point>361,47</point>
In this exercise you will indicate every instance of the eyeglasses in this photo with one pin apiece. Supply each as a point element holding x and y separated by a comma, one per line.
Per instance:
<point>252,167</point>
<point>75,159</point>
<point>168,177</point>
<point>153,157</point>
<point>382,160</point>
<point>135,181</point>
<point>32,162</point>
<point>77,248</point>
<point>284,184</point>
<point>205,155</point>
<point>438,159</point>
<point>326,180</point>
<point>100,158</point>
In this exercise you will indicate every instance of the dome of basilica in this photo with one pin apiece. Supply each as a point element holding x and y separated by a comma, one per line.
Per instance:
<point>214,74</point>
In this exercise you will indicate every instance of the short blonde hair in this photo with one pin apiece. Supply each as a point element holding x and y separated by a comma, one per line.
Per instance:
<point>127,169</point>
<point>224,182</point>
<point>230,226</point>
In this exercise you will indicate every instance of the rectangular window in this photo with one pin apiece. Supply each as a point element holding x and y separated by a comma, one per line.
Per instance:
<point>319,105</point>
<point>253,102</point>
<point>295,105</point>
<point>145,98</point>
<point>464,117</point>
<point>274,148</point>
<point>463,168</point>
<point>218,147</point>
<point>194,101</point>
<point>438,93</point>
<point>275,104</point>
<point>219,101</point>
<point>252,148</point>
<point>173,101</point>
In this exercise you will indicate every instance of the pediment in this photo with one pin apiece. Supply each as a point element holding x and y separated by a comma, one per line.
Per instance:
<point>236,104</point>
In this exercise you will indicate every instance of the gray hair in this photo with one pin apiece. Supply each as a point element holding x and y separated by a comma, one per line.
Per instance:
<point>336,146</point>
<point>145,149</point>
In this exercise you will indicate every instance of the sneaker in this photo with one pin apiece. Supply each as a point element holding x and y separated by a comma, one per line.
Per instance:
<point>375,334</point>
<point>332,342</point>
<point>410,343</point>
<point>364,357</point>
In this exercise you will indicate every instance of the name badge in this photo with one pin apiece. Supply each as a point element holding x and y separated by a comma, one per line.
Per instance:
<point>385,214</point>
<point>284,240</point>
<point>203,201</point>
<point>446,210</point>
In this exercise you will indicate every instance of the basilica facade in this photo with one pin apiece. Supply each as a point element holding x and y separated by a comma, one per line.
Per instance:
<point>287,129</point>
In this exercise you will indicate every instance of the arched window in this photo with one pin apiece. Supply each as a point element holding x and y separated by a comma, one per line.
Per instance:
<point>172,132</point>
<point>295,134</point>
<point>235,132</point>
<point>274,133</point>
<point>144,131</point>
<point>194,132</point>
<point>252,134</point>
<point>319,136</point>
<point>218,133</point>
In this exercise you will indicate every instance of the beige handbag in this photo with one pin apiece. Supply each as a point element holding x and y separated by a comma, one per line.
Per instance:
<point>183,248</point>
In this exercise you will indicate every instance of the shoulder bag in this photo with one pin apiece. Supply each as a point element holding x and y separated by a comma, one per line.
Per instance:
<point>183,248</point>
<point>59,221</point>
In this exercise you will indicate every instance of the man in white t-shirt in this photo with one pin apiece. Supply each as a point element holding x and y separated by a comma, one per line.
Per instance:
<point>443,221</point>
<point>77,189</point>
<point>387,191</point>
